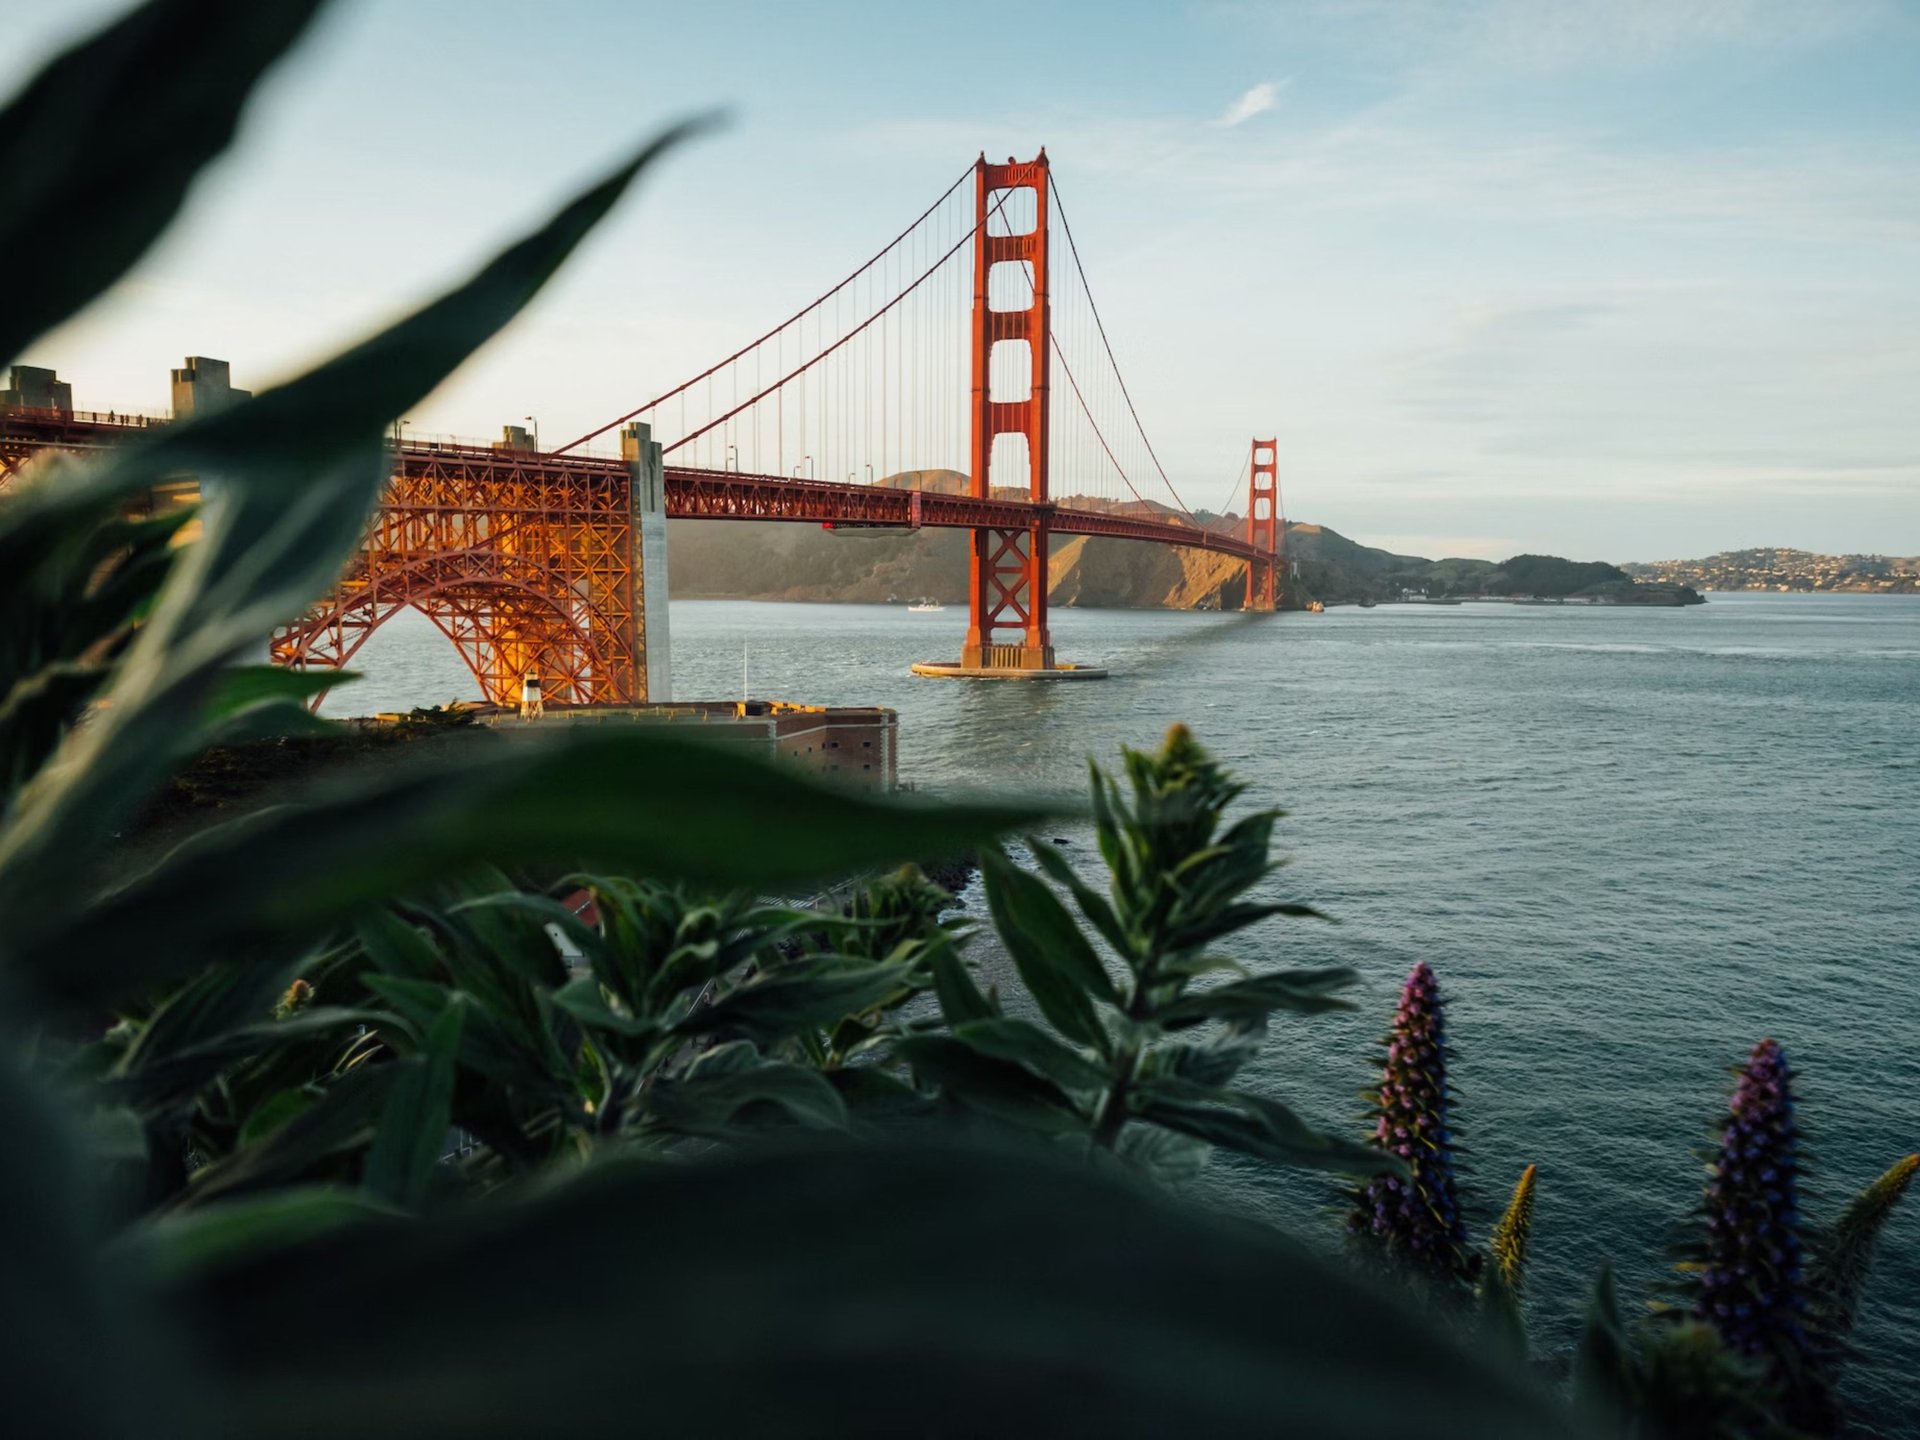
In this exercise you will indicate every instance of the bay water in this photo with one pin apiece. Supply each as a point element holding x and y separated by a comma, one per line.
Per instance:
<point>1631,842</point>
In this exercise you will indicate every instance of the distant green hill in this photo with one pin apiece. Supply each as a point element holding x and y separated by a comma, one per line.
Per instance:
<point>770,561</point>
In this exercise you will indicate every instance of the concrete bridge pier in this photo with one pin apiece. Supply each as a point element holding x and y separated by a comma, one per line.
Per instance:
<point>647,535</point>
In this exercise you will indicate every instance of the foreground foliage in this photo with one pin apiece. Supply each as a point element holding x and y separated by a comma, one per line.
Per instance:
<point>1757,1338</point>
<point>477,1095</point>
<point>231,1074</point>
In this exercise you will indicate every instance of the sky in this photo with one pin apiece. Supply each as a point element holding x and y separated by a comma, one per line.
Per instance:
<point>1625,281</point>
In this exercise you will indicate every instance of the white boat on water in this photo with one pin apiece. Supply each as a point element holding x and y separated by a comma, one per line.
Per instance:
<point>927,603</point>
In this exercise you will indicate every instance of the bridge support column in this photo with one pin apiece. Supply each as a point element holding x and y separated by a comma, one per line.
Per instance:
<point>652,641</point>
<point>1266,530</point>
<point>1007,589</point>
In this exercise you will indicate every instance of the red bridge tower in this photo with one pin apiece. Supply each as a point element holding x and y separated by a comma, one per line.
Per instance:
<point>1007,574</point>
<point>1266,531</point>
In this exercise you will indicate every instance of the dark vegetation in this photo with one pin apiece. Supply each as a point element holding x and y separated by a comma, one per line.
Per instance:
<point>1338,570</point>
<point>346,1117</point>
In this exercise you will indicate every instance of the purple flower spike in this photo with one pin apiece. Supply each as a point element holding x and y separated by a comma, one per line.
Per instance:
<point>1750,1278</point>
<point>1416,1220</point>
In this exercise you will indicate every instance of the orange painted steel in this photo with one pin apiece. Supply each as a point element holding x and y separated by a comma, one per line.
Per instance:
<point>1007,571</point>
<point>527,562</point>
<point>1265,527</point>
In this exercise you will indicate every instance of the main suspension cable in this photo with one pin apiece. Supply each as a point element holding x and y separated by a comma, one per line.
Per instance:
<point>797,315</point>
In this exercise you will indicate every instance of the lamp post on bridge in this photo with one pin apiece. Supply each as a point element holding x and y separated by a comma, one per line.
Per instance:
<point>733,457</point>
<point>536,432</point>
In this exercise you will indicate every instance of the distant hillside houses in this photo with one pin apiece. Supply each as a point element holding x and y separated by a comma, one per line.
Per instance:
<point>1788,570</point>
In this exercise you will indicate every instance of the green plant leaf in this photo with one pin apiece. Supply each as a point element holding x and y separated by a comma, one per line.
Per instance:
<point>635,797</point>
<point>241,686</point>
<point>1024,1043</point>
<point>1092,904</point>
<point>1605,1376</point>
<point>418,1111</point>
<point>1845,1253</point>
<point>1218,1058</point>
<point>1254,1125</point>
<point>98,151</point>
<point>714,1105</point>
<point>339,1123</point>
<point>276,1110</point>
<point>397,947</point>
<point>77,1362</point>
<point>153,1083</point>
<point>291,476</point>
<point>1057,965</point>
<point>999,1088</point>
<point>809,995</point>
<point>1303,992</point>
<point>1011,1287</point>
<point>581,998</point>
<point>960,999</point>
<point>181,1244</point>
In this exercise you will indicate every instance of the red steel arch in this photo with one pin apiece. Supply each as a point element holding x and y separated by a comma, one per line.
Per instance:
<point>503,627</point>
<point>525,561</point>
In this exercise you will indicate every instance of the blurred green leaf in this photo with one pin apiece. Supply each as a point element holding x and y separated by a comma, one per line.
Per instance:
<point>1302,992</point>
<point>1000,1088</point>
<point>660,803</point>
<point>1024,1043</point>
<point>1255,1126</point>
<point>1218,1058</point>
<point>807,995</point>
<point>1604,1368</point>
<point>291,476</point>
<point>1845,1253</point>
<point>1056,963</point>
<point>1092,904</point>
<point>153,1082</point>
<point>900,1292</point>
<point>239,687</point>
<point>182,1244</point>
<point>77,1361</point>
<point>395,946</point>
<point>960,999</point>
<point>276,1110</point>
<point>418,1111</point>
<point>98,151</point>
<point>714,1104</point>
<point>340,1123</point>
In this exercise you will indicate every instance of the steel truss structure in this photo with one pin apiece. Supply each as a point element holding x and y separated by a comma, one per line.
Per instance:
<point>529,562</point>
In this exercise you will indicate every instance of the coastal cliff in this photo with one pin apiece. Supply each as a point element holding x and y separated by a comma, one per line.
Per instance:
<point>752,560</point>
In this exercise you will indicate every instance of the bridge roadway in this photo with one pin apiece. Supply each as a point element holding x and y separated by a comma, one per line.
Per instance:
<point>692,494</point>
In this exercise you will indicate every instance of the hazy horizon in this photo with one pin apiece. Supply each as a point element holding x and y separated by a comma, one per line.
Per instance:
<point>1630,281</point>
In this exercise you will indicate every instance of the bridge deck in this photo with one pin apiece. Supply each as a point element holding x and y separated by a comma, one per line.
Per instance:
<point>691,493</point>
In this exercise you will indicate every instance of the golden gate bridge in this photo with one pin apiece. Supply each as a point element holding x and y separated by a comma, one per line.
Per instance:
<point>920,391</point>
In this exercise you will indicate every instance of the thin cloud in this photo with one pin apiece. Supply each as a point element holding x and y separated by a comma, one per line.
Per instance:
<point>1257,101</point>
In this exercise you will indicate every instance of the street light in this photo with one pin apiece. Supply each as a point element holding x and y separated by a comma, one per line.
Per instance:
<point>733,457</point>
<point>536,431</point>
<point>869,472</point>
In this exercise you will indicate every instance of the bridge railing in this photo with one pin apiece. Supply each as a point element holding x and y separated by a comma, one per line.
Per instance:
<point>50,416</point>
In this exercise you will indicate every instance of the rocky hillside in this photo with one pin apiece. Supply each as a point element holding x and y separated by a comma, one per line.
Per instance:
<point>712,559</point>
